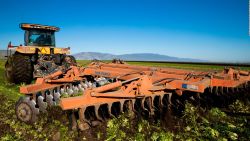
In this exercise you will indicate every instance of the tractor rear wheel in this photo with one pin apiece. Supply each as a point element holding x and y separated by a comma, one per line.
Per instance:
<point>19,69</point>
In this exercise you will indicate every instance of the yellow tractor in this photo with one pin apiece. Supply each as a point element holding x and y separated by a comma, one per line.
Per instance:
<point>37,57</point>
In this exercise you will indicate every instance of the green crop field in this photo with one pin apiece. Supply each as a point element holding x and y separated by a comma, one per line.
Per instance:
<point>196,124</point>
<point>172,65</point>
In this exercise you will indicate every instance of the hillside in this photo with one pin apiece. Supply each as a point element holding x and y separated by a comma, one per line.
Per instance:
<point>128,57</point>
<point>94,55</point>
<point>132,57</point>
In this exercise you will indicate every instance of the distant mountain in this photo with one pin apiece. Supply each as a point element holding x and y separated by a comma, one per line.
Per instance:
<point>94,55</point>
<point>128,57</point>
<point>132,57</point>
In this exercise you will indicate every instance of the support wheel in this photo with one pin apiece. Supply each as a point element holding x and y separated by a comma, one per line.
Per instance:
<point>26,110</point>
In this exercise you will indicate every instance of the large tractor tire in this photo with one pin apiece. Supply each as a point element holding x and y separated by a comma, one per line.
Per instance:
<point>19,69</point>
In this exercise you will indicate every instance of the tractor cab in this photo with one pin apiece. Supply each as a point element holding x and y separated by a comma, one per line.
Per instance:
<point>38,57</point>
<point>39,35</point>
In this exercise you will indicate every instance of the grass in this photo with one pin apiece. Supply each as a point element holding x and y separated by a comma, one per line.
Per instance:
<point>9,90</point>
<point>171,65</point>
<point>194,125</point>
<point>184,66</point>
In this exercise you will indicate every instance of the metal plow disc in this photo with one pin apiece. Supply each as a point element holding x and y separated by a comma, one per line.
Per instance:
<point>93,115</point>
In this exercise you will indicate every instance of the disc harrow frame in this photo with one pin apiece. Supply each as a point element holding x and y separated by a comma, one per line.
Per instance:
<point>103,90</point>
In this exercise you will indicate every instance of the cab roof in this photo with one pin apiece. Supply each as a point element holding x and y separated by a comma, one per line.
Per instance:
<point>26,26</point>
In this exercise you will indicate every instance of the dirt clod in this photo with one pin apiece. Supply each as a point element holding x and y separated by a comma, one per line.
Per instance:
<point>56,137</point>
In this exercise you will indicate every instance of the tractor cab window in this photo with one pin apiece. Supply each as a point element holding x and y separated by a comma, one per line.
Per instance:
<point>40,38</point>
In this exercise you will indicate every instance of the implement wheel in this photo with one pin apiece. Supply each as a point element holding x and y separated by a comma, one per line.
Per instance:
<point>26,110</point>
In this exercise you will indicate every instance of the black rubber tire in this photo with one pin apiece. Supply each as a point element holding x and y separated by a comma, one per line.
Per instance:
<point>22,69</point>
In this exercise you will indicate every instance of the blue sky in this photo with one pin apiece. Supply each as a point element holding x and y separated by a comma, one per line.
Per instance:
<point>214,30</point>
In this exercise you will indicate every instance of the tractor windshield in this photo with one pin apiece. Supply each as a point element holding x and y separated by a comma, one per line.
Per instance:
<point>40,38</point>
